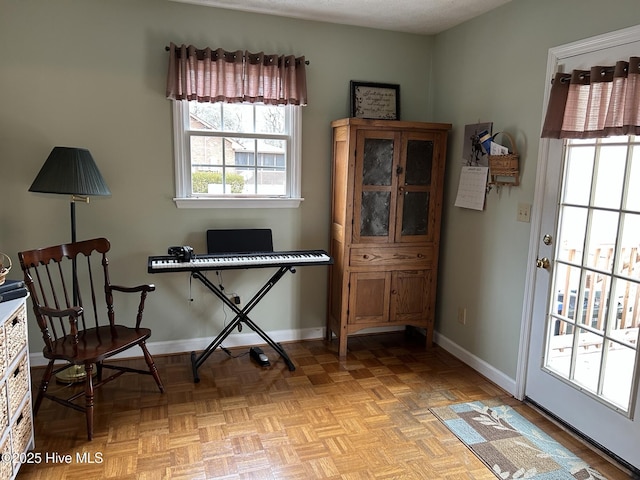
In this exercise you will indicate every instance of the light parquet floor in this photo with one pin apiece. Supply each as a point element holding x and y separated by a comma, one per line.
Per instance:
<point>366,417</point>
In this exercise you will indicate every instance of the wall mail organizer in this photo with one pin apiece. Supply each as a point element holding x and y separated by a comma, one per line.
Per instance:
<point>504,167</point>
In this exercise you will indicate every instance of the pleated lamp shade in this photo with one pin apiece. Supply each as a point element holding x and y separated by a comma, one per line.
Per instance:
<point>70,170</point>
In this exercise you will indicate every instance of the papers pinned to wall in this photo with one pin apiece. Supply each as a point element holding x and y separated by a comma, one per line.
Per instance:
<point>472,188</point>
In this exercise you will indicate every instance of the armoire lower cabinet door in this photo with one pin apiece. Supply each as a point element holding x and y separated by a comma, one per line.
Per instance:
<point>410,296</point>
<point>369,297</point>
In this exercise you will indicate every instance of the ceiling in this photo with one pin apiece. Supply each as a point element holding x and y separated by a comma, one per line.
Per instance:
<point>425,17</point>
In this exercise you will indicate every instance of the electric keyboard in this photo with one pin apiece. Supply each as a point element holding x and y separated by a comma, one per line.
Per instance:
<point>167,263</point>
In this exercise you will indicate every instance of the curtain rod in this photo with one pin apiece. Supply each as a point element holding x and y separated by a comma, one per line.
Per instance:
<point>167,48</point>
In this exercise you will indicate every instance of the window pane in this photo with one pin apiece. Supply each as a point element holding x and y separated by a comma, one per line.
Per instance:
<point>270,119</point>
<point>271,182</point>
<point>206,180</point>
<point>272,152</point>
<point>239,180</point>
<point>237,117</point>
<point>205,116</point>
<point>243,147</point>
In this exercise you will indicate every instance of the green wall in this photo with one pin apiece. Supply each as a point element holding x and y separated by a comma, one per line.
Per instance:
<point>493,68</point>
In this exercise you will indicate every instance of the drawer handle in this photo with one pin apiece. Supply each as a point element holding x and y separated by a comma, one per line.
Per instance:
<point>365,256</point>
<point>16,372</point>
<point>394,292</point>
<point>420,255</point>
<point>14,322</point>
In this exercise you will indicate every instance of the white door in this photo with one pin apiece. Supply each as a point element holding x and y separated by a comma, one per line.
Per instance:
<point>583,363</point>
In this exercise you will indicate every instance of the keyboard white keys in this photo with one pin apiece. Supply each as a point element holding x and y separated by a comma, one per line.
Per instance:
<point>249,260</point>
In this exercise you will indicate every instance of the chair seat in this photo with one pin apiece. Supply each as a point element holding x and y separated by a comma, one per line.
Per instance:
<point>96,344</point>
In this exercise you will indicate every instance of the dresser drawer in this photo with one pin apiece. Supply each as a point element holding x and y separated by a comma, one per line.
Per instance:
<point>396,257</point>
<point>21,432</point>
<point>15,331</point>
<point>17,384</point>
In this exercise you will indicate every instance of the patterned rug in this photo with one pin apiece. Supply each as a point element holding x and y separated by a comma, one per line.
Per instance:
<point>510,445</point>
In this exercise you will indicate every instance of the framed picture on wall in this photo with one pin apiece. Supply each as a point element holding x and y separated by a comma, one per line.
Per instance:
<point>375,100</point>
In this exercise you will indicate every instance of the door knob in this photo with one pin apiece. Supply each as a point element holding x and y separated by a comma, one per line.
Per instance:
<point>543,262</point>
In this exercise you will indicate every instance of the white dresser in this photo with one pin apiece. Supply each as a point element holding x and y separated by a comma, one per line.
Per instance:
<point>16,417</point>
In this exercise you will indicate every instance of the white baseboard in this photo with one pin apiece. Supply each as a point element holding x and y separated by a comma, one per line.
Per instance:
<point>252,338</point>
<point>199,344</point>
<point>479,365</point>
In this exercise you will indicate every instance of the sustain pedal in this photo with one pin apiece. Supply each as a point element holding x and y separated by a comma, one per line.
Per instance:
<point>259,357</point>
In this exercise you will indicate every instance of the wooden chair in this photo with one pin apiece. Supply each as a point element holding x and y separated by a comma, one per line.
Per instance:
<point>65,283</point>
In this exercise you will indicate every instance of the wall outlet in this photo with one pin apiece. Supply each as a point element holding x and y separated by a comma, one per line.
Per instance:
<point>462,315</point>
<point>524,212</point>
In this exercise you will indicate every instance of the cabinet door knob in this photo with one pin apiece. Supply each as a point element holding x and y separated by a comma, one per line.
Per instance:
<point>420,255</point>
<point>394,292</point>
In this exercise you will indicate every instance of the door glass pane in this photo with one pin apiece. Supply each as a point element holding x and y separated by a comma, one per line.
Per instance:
<point>419,162</point>
<point>626,302</point>
<point>618,374</point>
<point>560,347</point>
<point>628,263</point>
<point>594,300</point>
<point>378,161</point>
<point>588,358</point>
<point>610,176</point>
<point>571,234</point>
<point>415,213</point>
<point>602,238</point>
<point>567,282</point>
<point>579,164</point>
<point>592,339</point>
<point>374,214</point>
<point>633,194</point>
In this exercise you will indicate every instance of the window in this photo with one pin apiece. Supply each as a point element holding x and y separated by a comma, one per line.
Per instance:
<point>237,155</point>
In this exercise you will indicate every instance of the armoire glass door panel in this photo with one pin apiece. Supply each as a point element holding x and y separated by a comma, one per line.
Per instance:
<point>419,162</point>
<point>374,214</point>
<point>415,213</point>
<point>377,161</point>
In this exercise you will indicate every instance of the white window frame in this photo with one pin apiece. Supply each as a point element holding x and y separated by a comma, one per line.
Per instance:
<point>182,160</point>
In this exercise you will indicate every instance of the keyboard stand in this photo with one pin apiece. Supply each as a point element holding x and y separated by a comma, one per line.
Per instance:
<point>242,316</point>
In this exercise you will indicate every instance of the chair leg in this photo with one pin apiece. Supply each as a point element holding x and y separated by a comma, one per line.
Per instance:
<point>88,394</point>
<point>44,384</point>
<point>152,366</point>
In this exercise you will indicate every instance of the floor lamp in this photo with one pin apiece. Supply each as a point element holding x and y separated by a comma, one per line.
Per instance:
<point>71,171</point>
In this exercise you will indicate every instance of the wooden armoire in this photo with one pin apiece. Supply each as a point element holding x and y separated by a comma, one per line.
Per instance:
<point>387,187</point>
